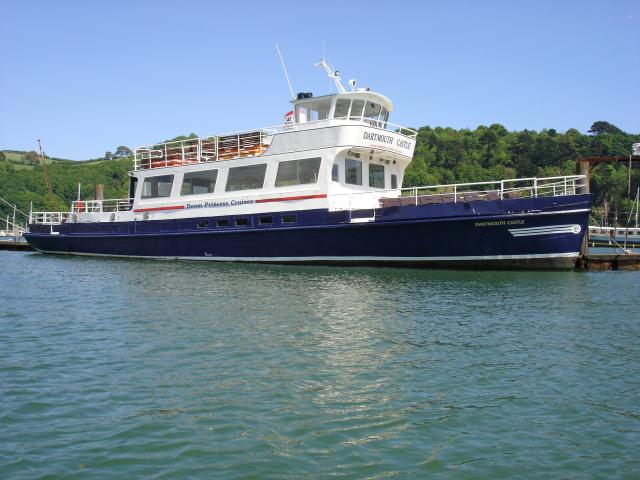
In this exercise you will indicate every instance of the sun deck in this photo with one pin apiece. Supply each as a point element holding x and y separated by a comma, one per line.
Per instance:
<point>251,143</point>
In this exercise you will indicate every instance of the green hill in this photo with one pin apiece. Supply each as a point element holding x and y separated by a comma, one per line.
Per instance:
<point>22,181</point>
<point>442,155</point>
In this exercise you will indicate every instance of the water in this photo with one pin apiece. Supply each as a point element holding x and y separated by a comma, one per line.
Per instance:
<point>147,369</point>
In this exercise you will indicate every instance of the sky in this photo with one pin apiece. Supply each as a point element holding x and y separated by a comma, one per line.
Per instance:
<point>88,76</point>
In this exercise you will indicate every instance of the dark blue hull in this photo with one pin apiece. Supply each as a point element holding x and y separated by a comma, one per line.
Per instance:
<point>519,233</point>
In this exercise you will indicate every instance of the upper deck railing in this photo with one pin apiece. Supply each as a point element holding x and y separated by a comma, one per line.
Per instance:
<point>514,188</point>
<point>235,145</point>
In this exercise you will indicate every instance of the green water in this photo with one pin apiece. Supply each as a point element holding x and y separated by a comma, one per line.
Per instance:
<point>146,369</point>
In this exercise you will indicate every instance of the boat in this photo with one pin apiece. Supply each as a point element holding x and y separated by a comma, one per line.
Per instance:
<point>617,237</point>
<point>323,187</point>
<point>12,239</point>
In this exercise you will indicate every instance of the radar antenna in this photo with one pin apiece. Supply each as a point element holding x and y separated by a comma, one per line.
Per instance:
<point>333,74</point>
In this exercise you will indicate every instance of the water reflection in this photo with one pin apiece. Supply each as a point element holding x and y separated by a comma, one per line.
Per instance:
<point>323,369</point>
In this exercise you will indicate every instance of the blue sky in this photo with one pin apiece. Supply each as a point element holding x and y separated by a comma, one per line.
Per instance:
<point>87,76</point>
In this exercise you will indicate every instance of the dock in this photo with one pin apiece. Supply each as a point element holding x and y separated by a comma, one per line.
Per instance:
<point>608,261</point>
<point>17,246</point>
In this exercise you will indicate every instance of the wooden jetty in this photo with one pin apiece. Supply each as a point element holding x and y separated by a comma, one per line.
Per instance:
<point>12,245</point>
<point>607,261</point>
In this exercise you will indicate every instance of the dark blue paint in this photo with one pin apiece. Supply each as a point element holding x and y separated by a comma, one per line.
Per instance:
<point>438,230</point>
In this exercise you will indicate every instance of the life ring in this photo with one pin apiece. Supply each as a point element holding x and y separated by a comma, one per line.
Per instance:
<point>79,206</point>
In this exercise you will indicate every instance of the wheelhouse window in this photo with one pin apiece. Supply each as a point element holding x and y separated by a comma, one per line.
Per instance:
<point>250,177</point>
<point>312,111</point>
<point>298,172</point>
<point>394,181</point>
<point>356,109</point>
<point>371,111</point>
<point>384,115</point>
<point>196,183</point>
<point>353,171</point>
<point>157,187</point>
<point>376,176</point>
<point>342,108</point>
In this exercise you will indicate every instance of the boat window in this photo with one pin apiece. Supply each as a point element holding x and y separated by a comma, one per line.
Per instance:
<point>384,115</point>
<point>394,181</point>
<point>242,222</point>
<point>223,222</point>
<point>246,178</point>
<point>356,109</point>
<point>203,224</point>
<point>298,172</point>
<point>312,111</point>
<point>195,183</point>
<point>376,176</point>
<point>156,187</point>
<point>266,220</point>
<point>353,171</point>
<point>290,218</point>
<point>371,110</point>
<point>342,108</point>
<point>335,172</point>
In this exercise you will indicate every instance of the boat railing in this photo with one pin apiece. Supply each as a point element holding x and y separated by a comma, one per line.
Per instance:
<point>203,149</point>
<point>48,218</point>
<point>532,187</point>
<point>99,206</point>
<point>250,143</point>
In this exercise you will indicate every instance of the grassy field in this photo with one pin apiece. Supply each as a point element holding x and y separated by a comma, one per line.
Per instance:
<point>19,161</point>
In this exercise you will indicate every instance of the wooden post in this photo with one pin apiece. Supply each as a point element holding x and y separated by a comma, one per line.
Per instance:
<point>584,167</point>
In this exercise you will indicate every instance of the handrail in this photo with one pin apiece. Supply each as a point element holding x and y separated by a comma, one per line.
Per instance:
<point>530,187</point>
<point>49,218</point>
<point>99,206</point>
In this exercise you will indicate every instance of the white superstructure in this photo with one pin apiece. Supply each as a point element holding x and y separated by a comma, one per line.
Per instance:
<point>328,146</point>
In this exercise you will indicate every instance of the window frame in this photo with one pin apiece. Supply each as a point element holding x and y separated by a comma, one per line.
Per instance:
<point>375,166</point>
<point>346,172</point>
<point>232,169</point>
<point>215,182</point>
<point>299,160</point>
<point>150,197</point>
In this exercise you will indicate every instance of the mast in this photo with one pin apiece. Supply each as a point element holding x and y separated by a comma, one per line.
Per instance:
<point>46,177</point>
<point>332,74</point>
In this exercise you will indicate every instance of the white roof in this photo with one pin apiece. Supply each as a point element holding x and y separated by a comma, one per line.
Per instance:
<point>360,95</point>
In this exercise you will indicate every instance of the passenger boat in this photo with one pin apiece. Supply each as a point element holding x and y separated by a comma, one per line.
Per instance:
<point>325,187</point>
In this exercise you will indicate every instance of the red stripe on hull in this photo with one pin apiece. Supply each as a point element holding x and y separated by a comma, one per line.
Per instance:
<point>157,209</point>
<point>286,199</point>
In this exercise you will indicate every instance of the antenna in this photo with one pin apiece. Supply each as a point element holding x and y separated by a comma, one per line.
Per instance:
<point>333,74</point>
<point>293,97</point>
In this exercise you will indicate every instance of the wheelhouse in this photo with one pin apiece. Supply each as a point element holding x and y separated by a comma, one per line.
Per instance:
<point>360,106</point>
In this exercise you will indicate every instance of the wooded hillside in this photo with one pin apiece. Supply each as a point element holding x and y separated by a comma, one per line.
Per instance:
<point>443,155</point>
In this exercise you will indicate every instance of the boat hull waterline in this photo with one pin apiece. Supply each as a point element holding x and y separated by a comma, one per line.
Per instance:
<point>535,233</point>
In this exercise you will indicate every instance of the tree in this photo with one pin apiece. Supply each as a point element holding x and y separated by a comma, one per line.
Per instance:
<point>32,157</point>
<point>604,127</point>
<point>122,151</point>
<point>3,157</point>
